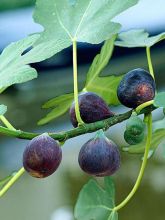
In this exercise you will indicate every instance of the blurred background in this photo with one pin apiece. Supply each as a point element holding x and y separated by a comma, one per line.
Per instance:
<point>53,198</point>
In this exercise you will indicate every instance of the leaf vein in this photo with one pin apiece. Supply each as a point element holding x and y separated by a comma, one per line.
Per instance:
<point>61,23</point>
<point>82,19</point>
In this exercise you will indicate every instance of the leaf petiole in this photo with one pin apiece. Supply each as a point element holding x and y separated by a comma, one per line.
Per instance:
<point>12,181</point>
<point>77,110</point>
<point>20,172</point>
<point>148,52</point>
<point>139,178</point>
<point>144,105</point>
<point>6,122</point>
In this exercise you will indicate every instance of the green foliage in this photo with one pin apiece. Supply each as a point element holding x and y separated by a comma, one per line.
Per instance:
<point>13,67</point>
<point>83,21</point>
<point>95,202</point>
<point>159,100</point>
<point>138,38</point>
<point>3,109</point>
<point>61,104</point>
<point>15,58</point>
<point>105,86</point>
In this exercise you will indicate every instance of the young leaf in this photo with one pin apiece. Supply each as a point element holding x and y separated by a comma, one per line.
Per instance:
<point>101,60</point>
<point>157,137</point>
<point>58,100</point>
<point>61,104</point>
<point>84,21</point>
<point>159,100</point>
<point>95,202</point>
<point>105,86</point>
<point>3,109</point>
<point>138,38</point>
<point>13,69</point>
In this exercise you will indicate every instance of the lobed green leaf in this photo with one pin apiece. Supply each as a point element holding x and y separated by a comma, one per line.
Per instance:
<point>13,68</point>
<point>84,21</point>
<point>138,38</point>
<point>95,202</point>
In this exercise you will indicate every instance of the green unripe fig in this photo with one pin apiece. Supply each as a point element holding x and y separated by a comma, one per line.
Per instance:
<point>135,125</point>
<point>133,139</point>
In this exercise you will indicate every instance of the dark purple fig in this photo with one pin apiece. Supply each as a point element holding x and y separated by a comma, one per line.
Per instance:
<point>99,156</point>
<point>42,156</point>
<point>136,88</point>
<point>92,108</point>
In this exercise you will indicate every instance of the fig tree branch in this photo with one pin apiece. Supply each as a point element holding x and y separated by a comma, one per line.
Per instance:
<point>83,129</point>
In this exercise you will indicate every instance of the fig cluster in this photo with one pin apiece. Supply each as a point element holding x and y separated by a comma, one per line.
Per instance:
<point>136,88</point>
<point>99,156</point>
<point>134,132</point>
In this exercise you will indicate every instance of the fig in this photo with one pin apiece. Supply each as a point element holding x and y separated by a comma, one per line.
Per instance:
<point>135,125</point>
<point>136,88</point>
<point>42,156</point>
<point>99,156</point>
<point>92,108</point>
<point>133,139</point>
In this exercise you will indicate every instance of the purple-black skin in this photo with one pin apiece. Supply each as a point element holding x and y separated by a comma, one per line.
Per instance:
<point>92,108</point>
<point>99,157</point>
<point>136,88</point>
<point>42,156</point>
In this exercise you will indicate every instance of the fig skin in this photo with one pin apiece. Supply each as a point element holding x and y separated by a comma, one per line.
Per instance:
<point>92,108</point>
<point>135,125</point>
<point>133,139</point>
<point>136,88</point>
<point>99,157</point>
<point>42,156</point>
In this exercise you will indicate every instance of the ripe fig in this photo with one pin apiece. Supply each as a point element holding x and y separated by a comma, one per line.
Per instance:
<point>136,88</point>
<point>99,156</point>
<point>92,108</point>
<point>42,156</point>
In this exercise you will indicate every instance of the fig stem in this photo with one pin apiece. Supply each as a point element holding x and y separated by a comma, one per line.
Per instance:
<point>144,105</point>
<point>20,172</point>
<point>12,181</point>
<point>148,52</point>
<point>75,73</point>
<point>143,166</point>
<point>6,122</point>
<point>99,134</point>
<point>83,129</point>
